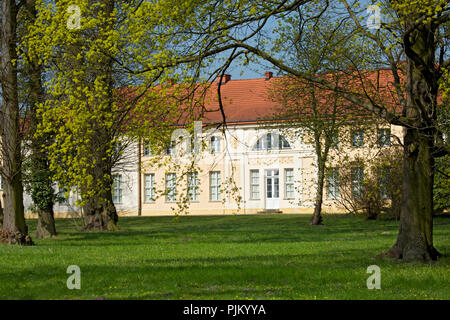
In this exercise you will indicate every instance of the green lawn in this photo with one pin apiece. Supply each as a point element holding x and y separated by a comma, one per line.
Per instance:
<point>226,257</point>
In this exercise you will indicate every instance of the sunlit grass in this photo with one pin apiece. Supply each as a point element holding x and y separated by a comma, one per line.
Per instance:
<point>226,257</point>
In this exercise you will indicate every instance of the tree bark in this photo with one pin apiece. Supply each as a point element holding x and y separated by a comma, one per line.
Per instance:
<point>46,224</point>
<point>1,213</point>
<point>100,216</point>
<point>415,237</point>
<point>42,191</point>
<point>317,215</point>
<point>100,212</point>
<point>14,229</point>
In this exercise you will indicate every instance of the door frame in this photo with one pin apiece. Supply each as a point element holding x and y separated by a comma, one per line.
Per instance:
<point>274,203</point>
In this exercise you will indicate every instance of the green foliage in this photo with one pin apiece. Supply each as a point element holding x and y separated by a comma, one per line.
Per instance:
<point>99,76</point>
<point>96,106</point>
<point>38,183</point>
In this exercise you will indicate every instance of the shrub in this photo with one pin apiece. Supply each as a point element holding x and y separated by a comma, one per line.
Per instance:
<point>372,187</point>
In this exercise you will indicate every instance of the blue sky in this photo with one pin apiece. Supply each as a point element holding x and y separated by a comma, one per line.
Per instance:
<point>256,70</point>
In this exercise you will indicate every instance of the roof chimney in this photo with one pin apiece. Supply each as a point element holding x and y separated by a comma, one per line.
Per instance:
<point>268,75</point>
<point>225,78</point>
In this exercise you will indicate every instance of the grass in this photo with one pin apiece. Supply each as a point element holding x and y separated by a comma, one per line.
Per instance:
<point>223,257</point>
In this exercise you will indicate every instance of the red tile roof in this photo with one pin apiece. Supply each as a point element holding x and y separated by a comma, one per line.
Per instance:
<point>249,100</point>
<point>243,101</point>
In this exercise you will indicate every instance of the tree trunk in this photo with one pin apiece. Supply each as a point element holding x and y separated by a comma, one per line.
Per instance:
<point>1,214</point>
<point>100,217</point>
<point>14,229</point>
<point>42,191</point>
<point>317,215</point>
<point>415,237</point>
<point>46,224</point>
<point>100,211</point>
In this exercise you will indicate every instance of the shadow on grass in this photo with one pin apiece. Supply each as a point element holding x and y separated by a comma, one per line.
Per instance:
<point>228,229</point>
<point>217,257</point>
<point>258,276</point>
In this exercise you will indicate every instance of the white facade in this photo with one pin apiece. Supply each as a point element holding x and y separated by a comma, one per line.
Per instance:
<point>276,174</point>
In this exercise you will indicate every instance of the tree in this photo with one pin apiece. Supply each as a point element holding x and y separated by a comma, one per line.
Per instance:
<point>1,216</point>
<point>412,46</point>
<point>316,117</point>
<point>80,117</point>
<point>96,108</point>
<point>38,176</point>
<point>311,107</point>
<point>14,227</point>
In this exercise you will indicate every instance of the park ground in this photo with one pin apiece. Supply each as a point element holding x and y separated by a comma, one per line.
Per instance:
<point>223,257</point>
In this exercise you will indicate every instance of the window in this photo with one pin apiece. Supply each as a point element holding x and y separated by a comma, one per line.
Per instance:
<point>193,190</point>
<point>170,149</point>
<point>383,182</point>
<point>358,138</point>
<point>334,140</point>
<point>62,200</point>
<point>117,188</point>
<point>149,191</point>
<point>271,141</point>
<point>254,184</point>
<point>195,148</point>
<point>289,183</point>
<point>214,186</point>
<point>117,148</point>
<point>147,149</point>
<point>215,144</point>
<point>384,137</point>
<point>357,182</point>
<point>333,184</point>
<point>171,187</point>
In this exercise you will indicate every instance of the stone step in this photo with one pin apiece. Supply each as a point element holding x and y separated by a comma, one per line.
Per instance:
<point>270,211</point>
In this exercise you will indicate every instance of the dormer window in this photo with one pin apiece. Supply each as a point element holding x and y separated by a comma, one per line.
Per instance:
<point>215,144</point>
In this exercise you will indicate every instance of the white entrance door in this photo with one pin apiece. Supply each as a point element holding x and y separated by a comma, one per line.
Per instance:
<point>272,189</point>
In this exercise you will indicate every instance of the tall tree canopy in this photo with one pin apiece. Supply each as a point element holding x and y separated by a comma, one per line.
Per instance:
<point>412,42</point>
<point>97,104</point>
<point>139,44</point>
